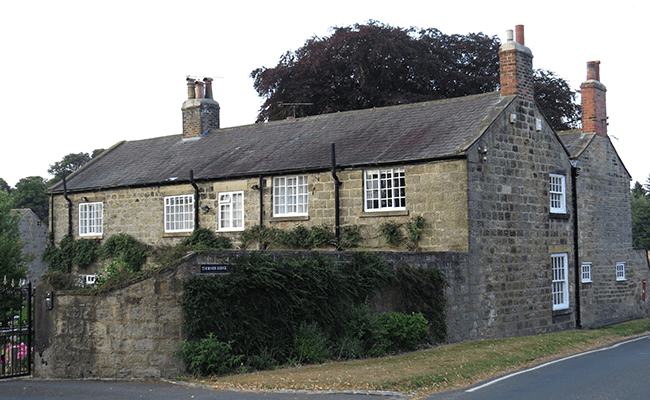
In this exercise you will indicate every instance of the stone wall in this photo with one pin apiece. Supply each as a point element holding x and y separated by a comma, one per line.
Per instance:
<point>436,191</point>
<point>129,333</point>
<point>133,332</point>
<point>513,233</point>
<point>605,237</point>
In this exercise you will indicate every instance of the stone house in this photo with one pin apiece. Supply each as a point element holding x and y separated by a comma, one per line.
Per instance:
<point>33,233</point>
<point>499,190</point>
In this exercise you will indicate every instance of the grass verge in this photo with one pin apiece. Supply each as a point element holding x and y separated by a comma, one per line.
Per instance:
<point>441,368</point>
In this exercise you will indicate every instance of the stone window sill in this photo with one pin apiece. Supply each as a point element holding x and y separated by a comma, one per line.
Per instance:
<point>559,216</point>
<point>176,234</point>
<point>395,213</point>
<point>289,219</point>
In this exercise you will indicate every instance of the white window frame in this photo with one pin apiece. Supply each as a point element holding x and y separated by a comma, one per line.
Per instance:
<point>91,219</point>
<point>290,196</point>
<point>231,211</point>
<point>620,271</point>
<point>560,285</point>
<point>384,190</point>
<point>585,272</point>
<point>557,194</point>
<point>179,213</point>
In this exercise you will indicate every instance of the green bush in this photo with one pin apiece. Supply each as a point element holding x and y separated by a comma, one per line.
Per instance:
<point>85,252</point>
<point>404,331</point>
<point>262,303</point>
<point>131,254</point>
<point>61,258</point>
<point>363,336</point>
<point>422,291</point>
<point>392,233</point>
<point>207,238</point>
<point>310,344</point>
<point>299,237</point>
<point>208,356</point>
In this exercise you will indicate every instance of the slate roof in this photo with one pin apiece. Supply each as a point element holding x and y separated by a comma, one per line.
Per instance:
<point>575,141</point>
<point>411,132</point>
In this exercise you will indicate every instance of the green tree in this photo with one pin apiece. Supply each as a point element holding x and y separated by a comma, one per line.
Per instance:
<point>70,164</point>
<point>5,186</point>
<point>375,65</point>
<point>641,216</point>
<point>13,265</point>
<point>31,192</point>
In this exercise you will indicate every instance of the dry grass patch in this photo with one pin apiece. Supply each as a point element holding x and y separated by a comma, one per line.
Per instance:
<point>442,368</point>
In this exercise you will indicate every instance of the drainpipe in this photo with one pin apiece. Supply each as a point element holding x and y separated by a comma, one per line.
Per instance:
<point>261,201</point>
<point>196,200</point>
<point>51,219</point>
<point>65,195</point>
<point>576,246</point>
<point>337,183</point>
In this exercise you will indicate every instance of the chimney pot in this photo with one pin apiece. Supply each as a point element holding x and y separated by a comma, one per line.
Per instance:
<point>208,87</point>
<point>191,88</point>
<point>199,90</point>
<point>520,34</point>
<point>509,35</point>
<point>593,70</point>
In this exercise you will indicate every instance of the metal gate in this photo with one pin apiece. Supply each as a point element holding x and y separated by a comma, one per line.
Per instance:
<point>16,329</point>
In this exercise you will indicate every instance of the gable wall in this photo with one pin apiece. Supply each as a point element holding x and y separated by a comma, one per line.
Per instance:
<point>605,237</point>
<point>512,235</point>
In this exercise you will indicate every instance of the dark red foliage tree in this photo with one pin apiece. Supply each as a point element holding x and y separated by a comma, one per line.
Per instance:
<point>375,65</point>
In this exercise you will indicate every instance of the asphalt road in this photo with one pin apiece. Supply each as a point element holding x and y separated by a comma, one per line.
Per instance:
<point>619,371</point>
<point>33,389</point>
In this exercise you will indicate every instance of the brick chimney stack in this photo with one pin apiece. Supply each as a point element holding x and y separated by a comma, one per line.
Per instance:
<point>200,111</point>
<point>516,63</point>
<point>594,106</point>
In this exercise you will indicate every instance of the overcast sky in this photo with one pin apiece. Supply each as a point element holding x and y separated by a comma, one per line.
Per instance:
<point>80,75</point>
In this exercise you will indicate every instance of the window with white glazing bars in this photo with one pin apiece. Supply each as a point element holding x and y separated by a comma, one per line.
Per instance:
<point>231,211</point>
<point>91,219</point>
<point>586,272</point>
<point>560,283</point>
<point>179,213</point>
<point>290,196</point>
<point>620,271</point>
<point>557,194</point>
<point>385,190</point>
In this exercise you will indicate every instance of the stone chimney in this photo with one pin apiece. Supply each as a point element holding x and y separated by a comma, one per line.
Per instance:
<point>200,111</point>
<point>516,63</point>
<point>594,107</point>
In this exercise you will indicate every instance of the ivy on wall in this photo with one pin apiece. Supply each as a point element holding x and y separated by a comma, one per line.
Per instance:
<point>309,307</point>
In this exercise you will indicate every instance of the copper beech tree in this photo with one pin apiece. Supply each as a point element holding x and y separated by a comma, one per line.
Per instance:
<point>375,65</point>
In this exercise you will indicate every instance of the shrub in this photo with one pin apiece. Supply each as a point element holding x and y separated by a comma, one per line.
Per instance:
<point>262,303</point>
<point>208,356</point>
<point>85,252</point>
<point>422,290</point>
<point>405,331</point>
<point>310,343</point>
<point>363,336</point>
<point>207,238</point>
<point>392,233</point>
<point>131,253</point>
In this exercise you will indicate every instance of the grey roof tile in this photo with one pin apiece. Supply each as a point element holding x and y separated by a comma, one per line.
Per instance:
<point>408,132</point>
